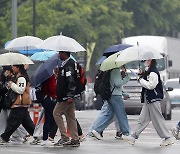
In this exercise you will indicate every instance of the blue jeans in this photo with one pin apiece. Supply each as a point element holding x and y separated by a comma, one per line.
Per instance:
<point>114,107</point>
<point>104,118</point>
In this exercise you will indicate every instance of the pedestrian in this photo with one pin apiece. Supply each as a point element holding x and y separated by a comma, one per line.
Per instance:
<point>66,95</point>
<point>19,110</point>
<point>114,106</point>
<point>48,90</point>
<point>176,130</point>
<point>151,96</point>
<point>99,125</point>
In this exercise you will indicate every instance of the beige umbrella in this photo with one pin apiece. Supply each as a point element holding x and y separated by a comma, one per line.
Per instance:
<point>14,59</point>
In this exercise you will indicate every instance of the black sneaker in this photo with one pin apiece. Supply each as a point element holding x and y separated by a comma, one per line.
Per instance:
<point>35,141</point>
<point>61,142</point>
<point>118,136</point>
<point>73,143</point>
<point>2,142</point>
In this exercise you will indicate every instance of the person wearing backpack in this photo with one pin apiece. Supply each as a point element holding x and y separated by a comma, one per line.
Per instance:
<point>114,105</point>
<point>66,95</point>
<point>19,110</point>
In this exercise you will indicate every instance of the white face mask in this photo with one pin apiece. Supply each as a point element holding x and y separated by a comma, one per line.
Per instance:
<point>146,64</point>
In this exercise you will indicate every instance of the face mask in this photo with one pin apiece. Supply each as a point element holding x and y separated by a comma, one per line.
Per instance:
<point>145,64</point>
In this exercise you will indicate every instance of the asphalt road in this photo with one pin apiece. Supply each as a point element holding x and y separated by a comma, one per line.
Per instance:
<point>147,143</point>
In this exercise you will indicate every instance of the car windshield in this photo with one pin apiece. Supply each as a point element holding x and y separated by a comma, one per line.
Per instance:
<point>173,84</point>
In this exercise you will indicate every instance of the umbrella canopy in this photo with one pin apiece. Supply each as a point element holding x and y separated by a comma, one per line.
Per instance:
<point>14,59</point>
<point>101,60</point>
<point>61,43</point>
<point>45,70</point>
<point>42,56</point>
<point>116,48</point>
<point>135,53</point>
<point>24,43</point>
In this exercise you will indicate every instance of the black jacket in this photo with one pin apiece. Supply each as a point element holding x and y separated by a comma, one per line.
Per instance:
<point>66,82</point>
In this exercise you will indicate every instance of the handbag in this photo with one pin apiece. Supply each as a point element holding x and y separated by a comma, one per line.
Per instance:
<point>9,99</point>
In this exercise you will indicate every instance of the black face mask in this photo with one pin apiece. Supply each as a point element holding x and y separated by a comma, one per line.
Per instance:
<point>123,74</point>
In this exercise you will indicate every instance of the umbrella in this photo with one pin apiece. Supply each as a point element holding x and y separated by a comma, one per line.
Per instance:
<point>24,43</point>
<point>111,50</point>
<point>42,56</point>
<point>101,60</point>
<point>61,43</point>
<point>115,48</point>
<point>45,70</point>
<point>135,53</point>
<point>14,59</point>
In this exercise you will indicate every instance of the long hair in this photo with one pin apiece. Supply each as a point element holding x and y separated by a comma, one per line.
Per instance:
<point>151,67</point>
<point>23,72</point>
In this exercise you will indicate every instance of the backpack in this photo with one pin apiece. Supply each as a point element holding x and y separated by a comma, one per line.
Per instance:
<point>102,84</point>
<point>80,79</point>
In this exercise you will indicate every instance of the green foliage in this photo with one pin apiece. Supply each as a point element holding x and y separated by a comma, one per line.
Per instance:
<point>103,22</point>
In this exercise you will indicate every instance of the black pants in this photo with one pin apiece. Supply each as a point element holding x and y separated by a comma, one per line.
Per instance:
<point>49,123</point>
<point>17,116</point>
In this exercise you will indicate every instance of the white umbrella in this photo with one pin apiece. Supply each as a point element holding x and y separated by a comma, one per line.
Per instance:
<point>24,43</point>
<point>14,59</point>
<point>61,43</point>
<point>135,53</point>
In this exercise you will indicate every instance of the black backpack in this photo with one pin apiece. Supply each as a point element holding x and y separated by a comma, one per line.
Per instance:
<point>102,84</point>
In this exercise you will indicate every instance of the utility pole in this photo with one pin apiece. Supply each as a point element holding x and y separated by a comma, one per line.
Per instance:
<point>14,19</point>
<point>34,17</point>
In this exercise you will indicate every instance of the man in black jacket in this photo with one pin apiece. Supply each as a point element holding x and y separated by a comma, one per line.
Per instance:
<point>66,93</point>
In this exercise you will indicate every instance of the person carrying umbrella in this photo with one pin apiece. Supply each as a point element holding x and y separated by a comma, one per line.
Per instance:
<point>19,110</point>
<point>151,96</point>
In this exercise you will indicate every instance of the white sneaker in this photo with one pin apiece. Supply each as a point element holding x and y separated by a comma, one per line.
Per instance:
<point>129,139</point>
<point>97,135</point>
<point>175,133</point>
<point>46,142</point>
<point>167,142</point>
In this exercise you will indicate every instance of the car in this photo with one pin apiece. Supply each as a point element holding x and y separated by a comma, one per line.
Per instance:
<point>175,93</point>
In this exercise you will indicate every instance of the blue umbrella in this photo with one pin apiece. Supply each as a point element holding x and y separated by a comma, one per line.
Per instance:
<point>111,50</point>
<point>45,70</point>
<point>42,56</point>
<point>115,48</point>
<point>101,60</point>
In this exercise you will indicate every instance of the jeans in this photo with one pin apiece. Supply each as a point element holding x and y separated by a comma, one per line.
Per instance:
<point>114,107</point>
<point>178,125</point>
<point>104,118</point>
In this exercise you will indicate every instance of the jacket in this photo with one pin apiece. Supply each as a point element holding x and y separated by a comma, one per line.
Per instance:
<point>152,87</point>
<point>22,88</point>
<point>116,81</point>
<point>66,82</point>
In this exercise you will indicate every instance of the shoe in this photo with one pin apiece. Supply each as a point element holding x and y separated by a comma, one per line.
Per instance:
<point>167,142</point>
<point>73,143</point>
<point>128,138</point>
<point>175,133</point>
<point>36,141</point>
<point>16,139</point>
<point>26,138</point>
<point>46,142</point>
<point>82,138</point>
<point>61,142</point>
<point>97,135</point>
<point>118,136</point>
<point>2,142</point>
